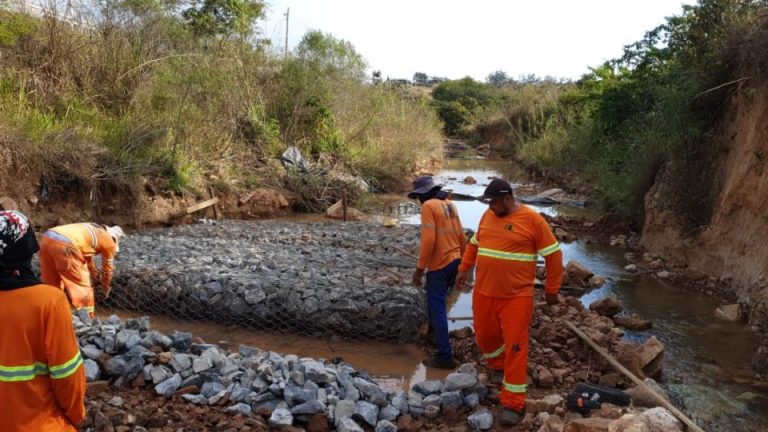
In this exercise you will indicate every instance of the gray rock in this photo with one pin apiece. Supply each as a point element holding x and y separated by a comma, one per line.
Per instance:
<point>240,408</point>
<point>452,398</point>
<point>468,368</point>
<point>385,426</point>
<point>400,401</point>
<point>459,381</point>
<point>431,400</point>
<point>482,419</point>
<point>344,409</point>
<point>366,412</point>
<point>182,341</point>
<point>217,397</point>
<point>181,362</point>
<point>371,392</point>
<point>348,425</point>
<point>201,364</point>
<point>116,366</point>
<point>472,400</point>
<point>389,412</point>
<point>211,388</point>
<point>427,388</point>
<point>169,386</point>
<point>239,393</point>
<point>295,395</point>
<point>311,407</point>
<point>116,401</point>
<point>196,399</point>
<point>92,371</point>
<point>281,417</point>
<point>315,371</point>
<point>91,352</point>
<point>140,324</point>
<point>297,377</point>
<point>159,374</point>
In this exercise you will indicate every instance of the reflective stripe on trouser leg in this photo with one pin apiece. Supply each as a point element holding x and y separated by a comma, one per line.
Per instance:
<point>488,332</point>
<point>515,316</point>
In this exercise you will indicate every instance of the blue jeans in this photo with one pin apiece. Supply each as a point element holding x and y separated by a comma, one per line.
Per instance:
<point>439,283</point>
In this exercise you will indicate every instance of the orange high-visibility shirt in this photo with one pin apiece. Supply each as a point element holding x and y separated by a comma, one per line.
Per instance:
<point>91,240</point>
<point>442,238</point>
<point>505,251</point>
<point>42,378</point>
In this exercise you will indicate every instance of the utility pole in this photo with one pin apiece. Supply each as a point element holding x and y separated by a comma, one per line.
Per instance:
<point>287,13</point>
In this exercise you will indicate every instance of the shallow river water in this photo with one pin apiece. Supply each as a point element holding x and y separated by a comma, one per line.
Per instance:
<point>707,361</point>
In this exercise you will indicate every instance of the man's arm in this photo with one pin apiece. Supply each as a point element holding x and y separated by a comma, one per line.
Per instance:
<point>426,243</point>
<point>92,268</point>
<point>469,257</point>
<point>65,365</point>
<point>548,247</point>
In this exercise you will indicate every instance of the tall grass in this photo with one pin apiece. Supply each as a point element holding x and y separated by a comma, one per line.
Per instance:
<point>145,94</point>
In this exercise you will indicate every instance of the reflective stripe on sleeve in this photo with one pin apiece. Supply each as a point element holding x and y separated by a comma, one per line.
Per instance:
<point>22,373</point>
<point>66,369</point>
<point>549,250</point>
<point>492,253</point>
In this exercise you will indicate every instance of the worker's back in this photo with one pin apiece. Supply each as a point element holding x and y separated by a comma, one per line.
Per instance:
<point>443,238</point>
<point>42,380</point>
<point>88,239</point>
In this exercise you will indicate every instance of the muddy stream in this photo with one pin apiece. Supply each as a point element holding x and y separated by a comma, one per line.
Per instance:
<point>707,361</point>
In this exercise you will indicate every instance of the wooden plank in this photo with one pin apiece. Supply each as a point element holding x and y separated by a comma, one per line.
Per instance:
<point>663,402</point>
<point>202,205</point>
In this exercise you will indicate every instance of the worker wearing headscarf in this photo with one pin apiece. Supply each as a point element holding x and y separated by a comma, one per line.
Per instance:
<point>66,260</point>
<point>42,379</point>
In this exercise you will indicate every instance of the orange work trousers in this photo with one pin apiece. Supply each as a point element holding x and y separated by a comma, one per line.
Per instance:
<point>63,266</point>
<point>501,329</point>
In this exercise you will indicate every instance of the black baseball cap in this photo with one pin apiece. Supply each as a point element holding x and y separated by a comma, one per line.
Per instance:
<point>497,188</point>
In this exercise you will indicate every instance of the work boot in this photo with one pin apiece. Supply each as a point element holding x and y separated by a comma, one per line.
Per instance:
<point>510,417</point>
<point>435,363</point>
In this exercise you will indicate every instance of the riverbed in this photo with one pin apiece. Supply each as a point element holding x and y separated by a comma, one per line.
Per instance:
<point>707,361</point>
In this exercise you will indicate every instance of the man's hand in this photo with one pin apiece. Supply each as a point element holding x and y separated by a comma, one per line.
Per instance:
<point>461,281</point>
<point>417,277</point>
<point>552,299</point>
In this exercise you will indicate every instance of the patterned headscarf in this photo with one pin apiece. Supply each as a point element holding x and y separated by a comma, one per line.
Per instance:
<point>17,246</point>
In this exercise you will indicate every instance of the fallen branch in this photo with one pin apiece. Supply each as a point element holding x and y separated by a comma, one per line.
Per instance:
<point>202,205</point>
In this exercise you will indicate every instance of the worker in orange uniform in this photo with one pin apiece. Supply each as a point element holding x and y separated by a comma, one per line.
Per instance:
<point>66,260</point>
<point>504,248</point>
<point>42,378</point>
<point>440,249</point>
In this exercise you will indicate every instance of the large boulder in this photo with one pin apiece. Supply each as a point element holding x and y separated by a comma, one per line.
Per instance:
<point>576,274</point>
<point>607,306</point>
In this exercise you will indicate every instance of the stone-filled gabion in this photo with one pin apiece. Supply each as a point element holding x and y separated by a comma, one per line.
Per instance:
<point>291,388</point>
<point>323,279</point>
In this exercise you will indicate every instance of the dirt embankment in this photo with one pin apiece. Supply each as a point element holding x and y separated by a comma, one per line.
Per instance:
<point>147,204</point>
<point>732,245</point>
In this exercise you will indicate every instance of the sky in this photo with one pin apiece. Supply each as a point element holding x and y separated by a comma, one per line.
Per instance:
<point>560,38</point>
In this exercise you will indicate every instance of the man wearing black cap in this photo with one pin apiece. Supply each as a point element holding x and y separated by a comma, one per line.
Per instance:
<point>42,379</point>
<point>440,249</point>
<point>504,248</point>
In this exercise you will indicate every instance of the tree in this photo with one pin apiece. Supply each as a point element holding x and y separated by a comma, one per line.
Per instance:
<point>329,54</point>
<point>222,17</point>
<point>498,78</point>
<point>420,78</point>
